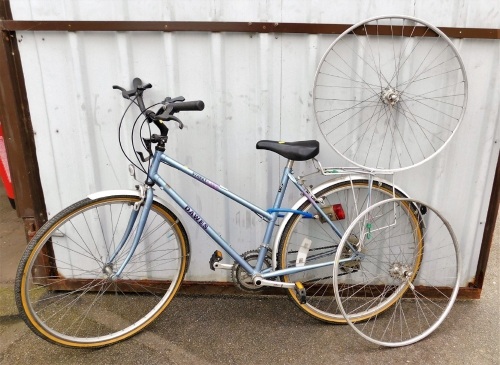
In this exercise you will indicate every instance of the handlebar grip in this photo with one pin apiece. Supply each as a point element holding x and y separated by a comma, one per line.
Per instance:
<point>187,105</point>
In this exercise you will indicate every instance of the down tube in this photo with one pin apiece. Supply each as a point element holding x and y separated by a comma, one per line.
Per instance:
<point>201,222</point>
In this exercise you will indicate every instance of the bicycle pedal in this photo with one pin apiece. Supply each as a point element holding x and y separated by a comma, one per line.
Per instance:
<point>301,292</point>
<point>216,257</point>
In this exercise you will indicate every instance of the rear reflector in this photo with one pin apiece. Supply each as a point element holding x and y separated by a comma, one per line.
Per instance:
<point>334,212</point>
<point>338,211</point>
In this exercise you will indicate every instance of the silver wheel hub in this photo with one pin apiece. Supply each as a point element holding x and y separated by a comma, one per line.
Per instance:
<point>399,271</point>
<point>108,270</point>
<point>390,96</point>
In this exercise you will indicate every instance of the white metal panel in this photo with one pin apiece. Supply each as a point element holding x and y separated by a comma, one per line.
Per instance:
<point>446,13</point>
<point>255,86</point>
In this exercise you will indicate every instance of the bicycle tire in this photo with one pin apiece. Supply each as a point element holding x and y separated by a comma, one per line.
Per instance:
<point>390,92</point>
<point>411,289</point>
<point>318,283</point>
<point>65,292</point>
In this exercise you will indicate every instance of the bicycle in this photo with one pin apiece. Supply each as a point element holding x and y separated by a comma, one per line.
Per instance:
<point>97,272</point>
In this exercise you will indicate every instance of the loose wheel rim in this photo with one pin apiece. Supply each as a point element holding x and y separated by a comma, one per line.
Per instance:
<point>368,331</point>
<point>381,110</point>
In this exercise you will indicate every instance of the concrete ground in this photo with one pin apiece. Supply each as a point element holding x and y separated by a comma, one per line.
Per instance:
<point>203,329</point>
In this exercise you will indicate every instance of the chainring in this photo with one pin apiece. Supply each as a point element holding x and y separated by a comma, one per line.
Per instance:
<point>241,278</point>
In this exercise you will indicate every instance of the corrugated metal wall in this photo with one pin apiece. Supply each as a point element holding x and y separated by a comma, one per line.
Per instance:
<point>255,86</point>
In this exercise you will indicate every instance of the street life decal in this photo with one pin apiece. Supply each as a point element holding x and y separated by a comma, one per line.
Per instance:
<point>205,181</point>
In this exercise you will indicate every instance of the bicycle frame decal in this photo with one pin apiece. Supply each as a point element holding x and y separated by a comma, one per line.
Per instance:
<point>207,182</point>
<point>196,217</point>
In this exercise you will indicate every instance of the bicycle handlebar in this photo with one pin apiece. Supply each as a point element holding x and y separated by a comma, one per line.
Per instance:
<point>165,113</point>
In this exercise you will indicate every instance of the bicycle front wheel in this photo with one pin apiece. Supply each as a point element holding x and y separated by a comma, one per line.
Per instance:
<point>65,289</point>
<point>308,241</point>
<point>393,289</point>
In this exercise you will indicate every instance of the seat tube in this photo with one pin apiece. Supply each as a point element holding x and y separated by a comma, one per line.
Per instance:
<point>277,204</point>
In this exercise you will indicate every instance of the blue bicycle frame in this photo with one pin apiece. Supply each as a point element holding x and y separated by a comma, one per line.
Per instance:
<point>270,215</point>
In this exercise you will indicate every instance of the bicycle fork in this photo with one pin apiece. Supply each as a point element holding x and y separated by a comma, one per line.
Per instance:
<point>146,201</point>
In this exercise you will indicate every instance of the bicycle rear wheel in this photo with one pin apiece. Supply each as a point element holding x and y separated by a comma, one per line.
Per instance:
<point>397,289</point>
<point>390,92</point>
<point>64,287</point>
<point>352,198</point>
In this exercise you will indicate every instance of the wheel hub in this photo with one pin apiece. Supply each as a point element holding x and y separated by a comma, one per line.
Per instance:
<point>399,271</point>
<point>108,270</point>
<point>390,96</point>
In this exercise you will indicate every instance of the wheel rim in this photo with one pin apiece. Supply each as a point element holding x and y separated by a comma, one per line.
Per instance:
<point>388,96</point>
<point>429,293</point>
<point>366,303</point>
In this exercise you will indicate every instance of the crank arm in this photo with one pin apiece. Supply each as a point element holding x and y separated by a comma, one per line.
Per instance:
<point>258,281</point>
<point>218,265</point>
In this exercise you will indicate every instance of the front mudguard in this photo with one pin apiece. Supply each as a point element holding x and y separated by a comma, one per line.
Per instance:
<point>106,193</point>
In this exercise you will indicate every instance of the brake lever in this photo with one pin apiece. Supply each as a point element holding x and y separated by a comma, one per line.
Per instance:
<point>144,87</point>
<point>168,99</point>
<point>170,117</point>
<point>125,93</point>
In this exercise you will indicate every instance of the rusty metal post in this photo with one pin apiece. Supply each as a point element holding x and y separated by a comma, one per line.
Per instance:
<point>489,229</point>
<point>18,132</point>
